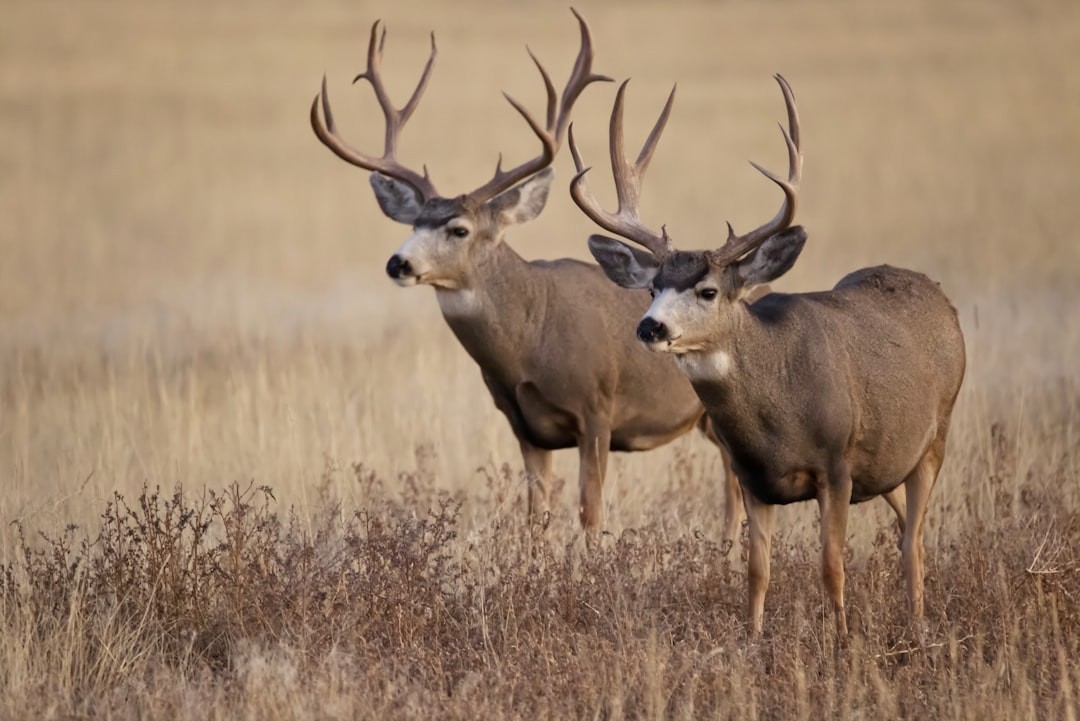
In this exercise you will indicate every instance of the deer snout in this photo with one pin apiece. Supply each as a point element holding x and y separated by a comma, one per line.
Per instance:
<point>398,268</point>
<point>651,331</point>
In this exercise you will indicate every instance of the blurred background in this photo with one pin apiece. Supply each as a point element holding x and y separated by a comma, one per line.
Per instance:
<point>192,287</point>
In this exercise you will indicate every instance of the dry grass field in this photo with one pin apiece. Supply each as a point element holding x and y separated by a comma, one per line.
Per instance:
<point>242,475</point>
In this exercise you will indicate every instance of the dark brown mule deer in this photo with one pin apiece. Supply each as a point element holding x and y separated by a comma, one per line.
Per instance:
<point>836,396</point>
<point>553,339</point>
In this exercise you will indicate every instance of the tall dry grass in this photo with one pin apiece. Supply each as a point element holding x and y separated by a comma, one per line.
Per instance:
<point>191,296</point>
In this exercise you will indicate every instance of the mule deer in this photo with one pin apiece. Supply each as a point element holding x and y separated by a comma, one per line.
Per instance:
<point>551,337</point>
<point>837,396</point>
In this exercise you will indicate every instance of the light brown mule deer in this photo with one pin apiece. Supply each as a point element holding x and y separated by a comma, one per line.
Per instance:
<point>553,339</point>
<point>836,396</point>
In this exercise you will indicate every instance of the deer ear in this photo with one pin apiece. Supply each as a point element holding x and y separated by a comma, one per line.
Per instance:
<point>399,201</point>
<point>772,258</point>
<point>524,201</point>
<point>626,266</point>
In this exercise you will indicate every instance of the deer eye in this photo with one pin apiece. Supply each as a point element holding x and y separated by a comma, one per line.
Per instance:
<point>459,231</point>
<point>707,294</point>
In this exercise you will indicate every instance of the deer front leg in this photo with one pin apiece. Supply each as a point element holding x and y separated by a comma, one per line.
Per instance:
<point>538,478</point>
<point>897,499</point>
<point>733,501</point>
<point>593,449</point>
<point>760,517</point>
<point>834,499</point>
<point>733,494</point>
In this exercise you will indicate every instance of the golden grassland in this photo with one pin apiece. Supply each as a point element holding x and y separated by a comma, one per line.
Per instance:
<point>192,298</point>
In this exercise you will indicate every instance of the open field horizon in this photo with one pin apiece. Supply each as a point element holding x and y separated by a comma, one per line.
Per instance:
<point>192,289</point>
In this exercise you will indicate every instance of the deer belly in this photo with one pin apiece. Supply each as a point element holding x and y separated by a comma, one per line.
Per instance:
<point>880,467</point>
<point>646,431</point>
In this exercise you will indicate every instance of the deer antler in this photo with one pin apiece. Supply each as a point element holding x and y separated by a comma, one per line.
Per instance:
<point>395,120</point>
<point>625,221</point>
<point>557,120</point>
<point>737,246</point>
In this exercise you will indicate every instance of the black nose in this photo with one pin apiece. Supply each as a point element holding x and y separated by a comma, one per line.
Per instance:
<point>398,267</point>
<point>651,331</point>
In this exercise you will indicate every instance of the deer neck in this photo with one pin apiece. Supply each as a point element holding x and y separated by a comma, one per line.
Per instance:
<point>493,310</point>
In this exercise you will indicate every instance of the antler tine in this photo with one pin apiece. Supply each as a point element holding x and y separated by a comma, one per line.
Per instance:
<point>557,117</point>
<point>737,246</point>
<point>580,77</point>
<point>414,99</point>
<point>549,89</point>
<point>626,220</point>
<point>326,131</point>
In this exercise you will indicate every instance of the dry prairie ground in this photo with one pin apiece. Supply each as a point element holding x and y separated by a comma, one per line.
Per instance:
<point>191,296</point>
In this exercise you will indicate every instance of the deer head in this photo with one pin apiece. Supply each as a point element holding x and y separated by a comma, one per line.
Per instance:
<point>452,235</point>
<point>695,293</point>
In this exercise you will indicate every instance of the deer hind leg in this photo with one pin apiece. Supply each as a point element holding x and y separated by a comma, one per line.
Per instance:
<point>760,516</point>
<point>834,499</point>
<point>919,483</point>
<point>538,478</point>
<point>733,494</point>
<point>593,452</point>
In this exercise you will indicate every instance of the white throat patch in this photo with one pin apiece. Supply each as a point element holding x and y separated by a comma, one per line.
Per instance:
<point>462,303</point>
<point>704,366</point>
